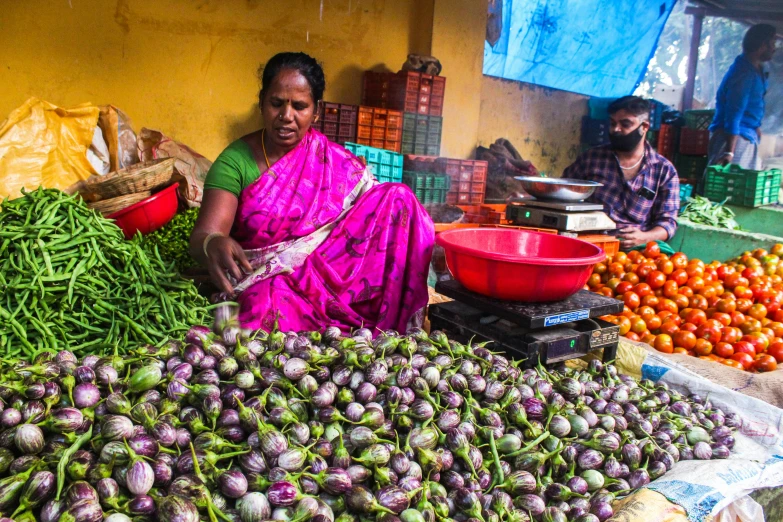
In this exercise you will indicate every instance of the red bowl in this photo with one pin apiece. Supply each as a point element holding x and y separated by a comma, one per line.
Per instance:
<point>148,215</point>
<point>519,265</point>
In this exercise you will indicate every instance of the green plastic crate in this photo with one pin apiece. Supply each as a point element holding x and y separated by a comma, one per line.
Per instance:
<point>433,150</point>
<point>743,187</point>
<point>409,122</point>
<point>385,165</point>
<point>690,167</point>
<point>699,119</point>
<point>428,187</point>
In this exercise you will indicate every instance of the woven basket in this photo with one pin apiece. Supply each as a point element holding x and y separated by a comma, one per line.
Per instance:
<point>141,177</point>
<point>110,206</point>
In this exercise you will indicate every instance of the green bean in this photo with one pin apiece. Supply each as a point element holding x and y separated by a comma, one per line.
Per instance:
<point>69,280</point>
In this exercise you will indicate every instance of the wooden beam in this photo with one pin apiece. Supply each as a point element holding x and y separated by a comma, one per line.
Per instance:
<point>741,14</point>
<point>693,61</point>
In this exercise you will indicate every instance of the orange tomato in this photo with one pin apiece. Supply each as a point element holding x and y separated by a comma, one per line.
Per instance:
<point>656,279</point>
<point>679,276</point>
<point>631,277</point>
<point>680,260</point>
<point>684,339</point>
<point>648,338</point>
<point>633,336</point>
<point>631,300</point>
<point>652,250</point>
<point>696,283</point>
<point>650,300</point>
<point>665,265</point>
<point>724,349</point>
<point>696,317</point>
<point>668,328</point>
<point>687,291</point>
<point>667,304</point>
<point>670,288</point>
<point>642,289</point>
<point>726,306</point>
<point>654,322</point>
<point>699,302</point>
<point>765,363</point>
<point>757,311</point>
<point>625,325</point>
<point>663,343</point>
<point>743,305</point>
<point>606,291</point>
<point>734,364</point>
<point>723,319</point>
<point>683,351</point>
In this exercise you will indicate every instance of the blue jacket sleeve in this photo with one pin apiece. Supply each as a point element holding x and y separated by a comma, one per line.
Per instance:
<point>738,90</point>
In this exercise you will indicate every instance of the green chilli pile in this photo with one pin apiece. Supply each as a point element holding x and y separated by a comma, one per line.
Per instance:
<point>70,280</point>
<point>173,240</point>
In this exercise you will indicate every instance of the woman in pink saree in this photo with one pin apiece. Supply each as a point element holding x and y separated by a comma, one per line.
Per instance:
<point>297,230</point>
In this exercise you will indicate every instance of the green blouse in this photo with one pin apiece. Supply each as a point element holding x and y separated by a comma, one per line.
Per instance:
<point>234,170</point>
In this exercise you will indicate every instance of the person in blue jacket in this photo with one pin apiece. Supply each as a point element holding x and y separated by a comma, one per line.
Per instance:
<point>739,108</point>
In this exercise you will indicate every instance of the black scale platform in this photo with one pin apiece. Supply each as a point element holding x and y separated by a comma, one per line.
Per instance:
<point>553,332</point>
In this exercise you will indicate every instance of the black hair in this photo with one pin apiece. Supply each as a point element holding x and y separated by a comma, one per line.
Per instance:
<point>757,36</point>
<point>305,64</point>
<point>633,104</point>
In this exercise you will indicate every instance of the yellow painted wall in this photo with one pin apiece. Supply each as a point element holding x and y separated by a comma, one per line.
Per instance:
<point>458,41</point>
<point>543,124</point>
<point>188,67</point>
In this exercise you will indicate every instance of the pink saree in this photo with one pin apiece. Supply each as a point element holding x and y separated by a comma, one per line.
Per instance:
<point>330,246</point>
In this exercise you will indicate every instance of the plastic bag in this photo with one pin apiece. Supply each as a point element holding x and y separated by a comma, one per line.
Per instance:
<point>744,509</point>
<point>118,132</point>
<point>191,165</point>
<point>98,153</point>
<point>42,144</point>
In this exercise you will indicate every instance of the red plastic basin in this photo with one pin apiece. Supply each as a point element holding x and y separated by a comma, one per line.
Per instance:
<point>519,265</point>
<point>148,215</point>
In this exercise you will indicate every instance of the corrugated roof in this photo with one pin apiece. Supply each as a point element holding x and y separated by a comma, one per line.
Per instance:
<point>747,11</point>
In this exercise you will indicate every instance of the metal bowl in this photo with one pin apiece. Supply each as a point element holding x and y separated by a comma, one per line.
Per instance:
<point>558,189</point>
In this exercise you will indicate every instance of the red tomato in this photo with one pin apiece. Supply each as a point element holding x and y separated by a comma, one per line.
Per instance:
<point>656,279</point>
<point>776,350</point>
<point>709,332</point>
<point>642,289</point>
<point>744,359</point>
<point>679,276</point>
<point>730,334</point>
<point>765,363</point>
<point>744,347</point>
<point>652,250</point>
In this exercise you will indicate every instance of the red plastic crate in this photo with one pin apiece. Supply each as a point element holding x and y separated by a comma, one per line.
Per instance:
<point>477,199</point>
<point>668,141</point>
<point>451,198</point>
<point>330,128</point>
<point>347,131</point>
<point>406,91</point>
<point>694,142</point>
<point>478,187</point>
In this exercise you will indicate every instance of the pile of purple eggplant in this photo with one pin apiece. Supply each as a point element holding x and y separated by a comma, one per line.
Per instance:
<point>246,426</point>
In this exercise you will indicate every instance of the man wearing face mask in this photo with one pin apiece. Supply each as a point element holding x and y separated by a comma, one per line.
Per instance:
<point>641,190</point>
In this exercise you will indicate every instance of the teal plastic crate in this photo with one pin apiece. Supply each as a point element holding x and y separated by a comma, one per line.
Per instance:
<point>428,187</point>
<point>385,165</point>
<point>743,187</point>
<point>686,191</point>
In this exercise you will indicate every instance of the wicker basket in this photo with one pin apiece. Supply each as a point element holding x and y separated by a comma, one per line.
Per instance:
<point>141,177</point>
<point>110,206</point>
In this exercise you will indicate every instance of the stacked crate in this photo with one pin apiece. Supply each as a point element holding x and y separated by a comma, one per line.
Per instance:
<point>421,134</point>
<point>379,128</point>
<point>406,91</point>
<point>337,121</point>
<point>386,166</point>
<point>691,160</point>
<point>419,97</point>
<point>743,187</point>
<point>468,180</point>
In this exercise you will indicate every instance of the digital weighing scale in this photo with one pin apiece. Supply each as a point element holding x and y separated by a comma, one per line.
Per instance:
<point>551,332</point>
<point>560,215</point>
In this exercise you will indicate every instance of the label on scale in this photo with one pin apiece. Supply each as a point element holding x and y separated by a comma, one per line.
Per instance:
<point>568,317</point>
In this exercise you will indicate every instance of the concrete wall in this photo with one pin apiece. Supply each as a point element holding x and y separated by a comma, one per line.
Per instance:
<point>189,68</point>
<point>543,124</point>
<point>762,220</point>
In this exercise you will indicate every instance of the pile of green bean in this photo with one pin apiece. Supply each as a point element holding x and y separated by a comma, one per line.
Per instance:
<point>70,280</point>
<point>172,241</point>
<point>704,212</point>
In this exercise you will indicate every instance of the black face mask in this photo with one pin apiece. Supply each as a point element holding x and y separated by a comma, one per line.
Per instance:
<point>626,142</point>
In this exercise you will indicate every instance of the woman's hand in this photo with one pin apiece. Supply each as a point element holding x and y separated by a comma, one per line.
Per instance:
<point>226,255</point>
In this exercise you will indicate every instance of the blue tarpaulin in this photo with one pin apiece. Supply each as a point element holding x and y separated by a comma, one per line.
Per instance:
<point>593,47</point>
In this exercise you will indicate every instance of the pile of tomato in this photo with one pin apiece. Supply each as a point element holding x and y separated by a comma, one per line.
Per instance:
<point>725,312</point>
